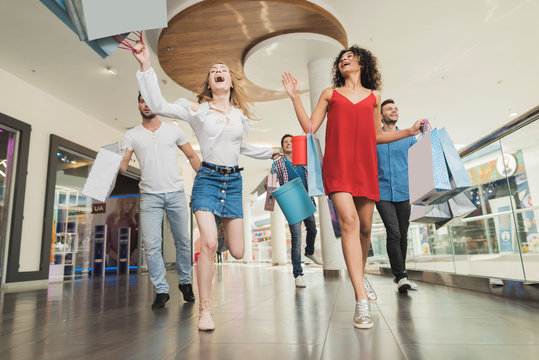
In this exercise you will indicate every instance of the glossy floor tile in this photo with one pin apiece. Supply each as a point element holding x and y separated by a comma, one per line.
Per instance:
<point>259,314</point>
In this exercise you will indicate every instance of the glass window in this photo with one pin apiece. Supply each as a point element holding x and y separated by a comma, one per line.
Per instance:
<point>8,154</point>
<point>521,164</point>
<point>75,216</point>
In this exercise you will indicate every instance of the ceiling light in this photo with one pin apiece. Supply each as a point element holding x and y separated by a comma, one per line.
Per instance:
<point>113,71</point>
<point>513,114</point>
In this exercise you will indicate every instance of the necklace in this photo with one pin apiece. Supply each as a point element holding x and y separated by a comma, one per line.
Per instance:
<point>225,112</point>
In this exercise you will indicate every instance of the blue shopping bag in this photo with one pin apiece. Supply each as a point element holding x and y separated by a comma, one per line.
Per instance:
<point>427,170</point>
<point>458,175</point>
<point>315,183</point>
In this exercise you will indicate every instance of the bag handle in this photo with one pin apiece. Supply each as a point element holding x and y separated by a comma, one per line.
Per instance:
<point>292,166</point>
<point>426,126</point>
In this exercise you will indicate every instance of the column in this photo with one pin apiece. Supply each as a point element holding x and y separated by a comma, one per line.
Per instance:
<point>278,236</point>
<point>332,256</point>
<point>247,233</point>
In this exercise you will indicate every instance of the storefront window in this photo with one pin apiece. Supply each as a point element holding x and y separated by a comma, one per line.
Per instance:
<point>87,232</point>
<point>8,146</point>
<point>521,162</point>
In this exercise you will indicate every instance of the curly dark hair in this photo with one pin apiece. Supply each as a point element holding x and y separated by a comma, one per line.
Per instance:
<point>370,76</point>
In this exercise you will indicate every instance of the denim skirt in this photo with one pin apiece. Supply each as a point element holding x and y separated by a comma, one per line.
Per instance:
<point>218,193</point>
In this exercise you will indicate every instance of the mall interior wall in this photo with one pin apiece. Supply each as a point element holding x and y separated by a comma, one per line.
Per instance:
<point>46,115</point>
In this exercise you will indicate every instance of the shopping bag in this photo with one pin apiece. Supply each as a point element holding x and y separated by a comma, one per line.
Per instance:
<point>427,170</point>
<point>430,214</point>
<point>71,13</point>
<point>102,18</point>
<point>272,183</point>
<point>102,177</point>
<point>294,201</point>
<point>334,219</point>
<point>315,183</point>
<point>458,175</point>
<point>460,206</point>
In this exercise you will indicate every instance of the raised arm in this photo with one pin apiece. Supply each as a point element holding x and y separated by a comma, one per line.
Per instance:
<point>150,91</point>
<point>191,155</point>
<point>387,137</point>
<point>258,152</point>
<point>291,85</point>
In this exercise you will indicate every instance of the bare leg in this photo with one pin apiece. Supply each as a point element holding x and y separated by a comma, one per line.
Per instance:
<point>350,236</point>
<point>234,237</point>
<point>365,210</point>
<point>206,267</point>
<point>208,248</point>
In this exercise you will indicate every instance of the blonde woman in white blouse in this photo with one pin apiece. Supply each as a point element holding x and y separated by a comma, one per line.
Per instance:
<point>218,119</point>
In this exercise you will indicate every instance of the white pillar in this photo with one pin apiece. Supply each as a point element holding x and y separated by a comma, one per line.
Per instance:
<point>332,256</point>
<point>247,233</point>
<point>278,236</point>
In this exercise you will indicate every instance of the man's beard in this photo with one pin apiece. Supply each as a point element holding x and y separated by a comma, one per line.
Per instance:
<point>147,117</point>
<point>390,121</point>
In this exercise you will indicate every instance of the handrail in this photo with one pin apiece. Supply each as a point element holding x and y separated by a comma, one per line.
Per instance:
<point>490,216</point>
<point>512,126</point>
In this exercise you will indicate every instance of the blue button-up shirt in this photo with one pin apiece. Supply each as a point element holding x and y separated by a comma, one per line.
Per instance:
<point>393,169</point>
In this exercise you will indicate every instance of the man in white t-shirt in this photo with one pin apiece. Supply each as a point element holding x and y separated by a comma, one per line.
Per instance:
<point>155,145</point>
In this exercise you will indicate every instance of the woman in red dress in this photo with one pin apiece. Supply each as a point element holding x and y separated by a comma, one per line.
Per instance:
<point>350,170</point>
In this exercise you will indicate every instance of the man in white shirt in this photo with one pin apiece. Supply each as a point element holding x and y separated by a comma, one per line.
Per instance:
<point>161,190</point>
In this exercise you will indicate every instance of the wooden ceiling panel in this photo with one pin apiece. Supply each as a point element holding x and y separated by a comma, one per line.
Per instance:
<point>225,30</point>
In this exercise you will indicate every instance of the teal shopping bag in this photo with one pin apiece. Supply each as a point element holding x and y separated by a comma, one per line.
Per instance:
<point>315,183</point>
<point>458,175</point>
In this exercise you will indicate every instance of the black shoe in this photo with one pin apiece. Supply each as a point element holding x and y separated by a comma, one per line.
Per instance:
<point>160,300</point>
<point>187,291</point>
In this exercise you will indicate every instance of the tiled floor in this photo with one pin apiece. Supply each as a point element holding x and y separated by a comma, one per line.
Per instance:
<point>259,314</point>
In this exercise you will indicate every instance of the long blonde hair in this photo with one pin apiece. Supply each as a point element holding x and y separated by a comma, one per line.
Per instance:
<point>238,97</point>
<point>130,215</point>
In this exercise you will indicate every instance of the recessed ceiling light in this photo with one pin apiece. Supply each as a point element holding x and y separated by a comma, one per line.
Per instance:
<point>113,71</point>
<point>513,114</point>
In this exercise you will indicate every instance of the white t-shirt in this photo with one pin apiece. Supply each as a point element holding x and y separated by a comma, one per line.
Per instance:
<point>220,136</point>
<point>157,153</point>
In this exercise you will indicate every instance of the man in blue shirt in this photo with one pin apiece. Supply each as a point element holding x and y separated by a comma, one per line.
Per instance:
<point>394,204</point>
<point>286,172</point>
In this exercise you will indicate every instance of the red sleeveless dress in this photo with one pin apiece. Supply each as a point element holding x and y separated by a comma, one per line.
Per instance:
<point>350,164</point>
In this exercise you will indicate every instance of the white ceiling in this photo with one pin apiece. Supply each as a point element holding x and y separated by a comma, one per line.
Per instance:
<point>463,64</point>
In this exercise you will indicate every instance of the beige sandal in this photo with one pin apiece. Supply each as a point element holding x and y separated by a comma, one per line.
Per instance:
<point>205,321</point>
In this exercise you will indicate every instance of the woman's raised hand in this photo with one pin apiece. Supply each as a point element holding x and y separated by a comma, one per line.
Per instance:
<point>291,85</point>
<point>142,54</point>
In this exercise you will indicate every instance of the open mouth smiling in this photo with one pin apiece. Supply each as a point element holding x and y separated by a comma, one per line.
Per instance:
<point>219,78</point>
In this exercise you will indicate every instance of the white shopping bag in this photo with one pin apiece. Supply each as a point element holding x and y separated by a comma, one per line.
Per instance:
<point>103,18</point>
<point>103,174</point>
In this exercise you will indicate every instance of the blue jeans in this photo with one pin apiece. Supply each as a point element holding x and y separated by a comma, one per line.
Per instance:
<point>295,232</point>
<point>152,208</point>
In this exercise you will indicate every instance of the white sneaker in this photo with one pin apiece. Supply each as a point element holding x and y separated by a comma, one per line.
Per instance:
<point>370,291</point>
<point>413,285</point>
<point>403,285</point>
<point>315,259</point>
<point>300,282</point>
<point>362,315</point>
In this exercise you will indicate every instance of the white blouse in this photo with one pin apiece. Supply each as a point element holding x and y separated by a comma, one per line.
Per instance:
<point>220,136</point>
